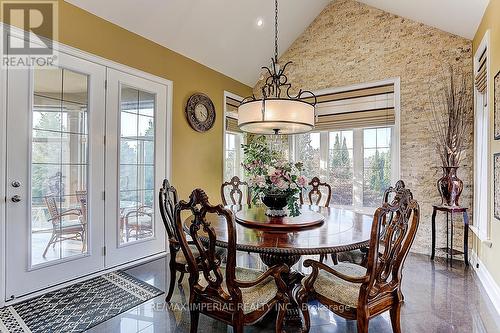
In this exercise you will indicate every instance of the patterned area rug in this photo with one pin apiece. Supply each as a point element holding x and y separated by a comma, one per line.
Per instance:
<point>78,307</point>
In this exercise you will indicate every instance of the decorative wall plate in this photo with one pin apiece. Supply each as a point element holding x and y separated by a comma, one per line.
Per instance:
<point>200,112</point>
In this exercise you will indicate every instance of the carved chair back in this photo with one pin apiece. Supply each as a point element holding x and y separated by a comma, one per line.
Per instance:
<point>168,199</point>
<point>204,238</point>
<point>393,232</point>
<point>232,190</point>
<point>316,193</point>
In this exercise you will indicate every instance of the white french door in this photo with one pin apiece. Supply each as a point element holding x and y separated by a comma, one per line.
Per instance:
<point>55,149</point>
<point>135,166</point>
<point>85,160</point>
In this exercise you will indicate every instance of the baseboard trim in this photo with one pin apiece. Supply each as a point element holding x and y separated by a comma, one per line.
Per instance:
<point>489,284</point>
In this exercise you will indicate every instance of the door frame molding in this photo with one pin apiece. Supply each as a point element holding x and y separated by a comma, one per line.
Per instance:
<point>3,139</point>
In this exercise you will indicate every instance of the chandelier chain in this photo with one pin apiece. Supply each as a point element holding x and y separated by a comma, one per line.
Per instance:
<point>276,30</point>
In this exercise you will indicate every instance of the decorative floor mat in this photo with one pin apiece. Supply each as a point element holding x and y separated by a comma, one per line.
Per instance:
<point>78,307</point>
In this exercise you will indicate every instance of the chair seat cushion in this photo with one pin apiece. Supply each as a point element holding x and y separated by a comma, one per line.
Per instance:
<point>338,290</point>
<point>254,297</point>
<point>181,259</point>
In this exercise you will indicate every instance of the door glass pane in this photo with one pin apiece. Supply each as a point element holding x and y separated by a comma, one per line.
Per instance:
<point>137,150</point>
<point>59,165</point>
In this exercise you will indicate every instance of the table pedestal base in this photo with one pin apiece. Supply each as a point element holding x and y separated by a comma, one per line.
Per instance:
<point>292,279</point>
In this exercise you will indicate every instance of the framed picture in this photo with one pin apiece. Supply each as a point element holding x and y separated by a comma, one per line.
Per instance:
<point>496,106</point>
<point>496,171</point>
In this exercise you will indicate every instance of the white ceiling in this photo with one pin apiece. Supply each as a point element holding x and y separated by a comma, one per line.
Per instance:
<point>224,35</point>
<point>221,34</point>
<point>460,17</point>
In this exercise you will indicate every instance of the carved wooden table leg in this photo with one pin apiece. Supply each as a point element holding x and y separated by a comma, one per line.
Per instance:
<point>291,279</point>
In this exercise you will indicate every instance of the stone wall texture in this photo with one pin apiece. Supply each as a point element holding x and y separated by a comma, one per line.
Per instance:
<point>351,43</point>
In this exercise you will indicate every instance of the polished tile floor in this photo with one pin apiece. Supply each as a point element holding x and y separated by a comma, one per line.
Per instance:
<point>438,299</point>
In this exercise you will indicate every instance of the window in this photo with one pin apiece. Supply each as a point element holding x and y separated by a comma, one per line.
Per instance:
<point>340,167</point>
<point>137,151</point>
<point>233,155</point>
<point>308,148</point>
<point>356,146</point>
<point>365,152</point>
<point>481,139</point>
<point>59,153</point>
<point>376,164</point>
<point>233,139</point>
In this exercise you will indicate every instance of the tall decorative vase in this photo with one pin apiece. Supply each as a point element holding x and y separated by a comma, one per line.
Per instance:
<point>450,187</point>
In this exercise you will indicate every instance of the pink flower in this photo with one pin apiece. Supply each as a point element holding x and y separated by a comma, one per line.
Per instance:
<point>302,181</point>
<point>282,184</point>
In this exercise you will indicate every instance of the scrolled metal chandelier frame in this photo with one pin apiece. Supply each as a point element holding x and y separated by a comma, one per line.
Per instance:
<point>276,97</point>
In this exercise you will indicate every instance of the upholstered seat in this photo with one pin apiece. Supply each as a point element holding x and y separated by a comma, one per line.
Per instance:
<point>365,293</point>
<point>254,297</point>
<point>181,259</point>
<point>338,290</point>
<point>236,296</point>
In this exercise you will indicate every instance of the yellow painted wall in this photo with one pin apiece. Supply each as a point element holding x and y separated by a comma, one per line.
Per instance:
<point>491,21</point>
<point>197,157</point>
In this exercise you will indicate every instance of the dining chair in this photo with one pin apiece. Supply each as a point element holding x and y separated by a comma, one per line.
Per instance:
<point>62,228</point>
<point>316,192</point>
<point>235,192</point>
<point>388,196</point>
<point>234,295</point>
<point>358,293</point>
<point>168,198</point>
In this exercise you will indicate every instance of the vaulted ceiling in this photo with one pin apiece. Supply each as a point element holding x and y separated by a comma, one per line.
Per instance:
<point>235,37</point>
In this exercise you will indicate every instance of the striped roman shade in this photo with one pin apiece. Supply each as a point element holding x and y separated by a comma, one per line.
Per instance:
<point>232,115</point>
<point>356,108</point>
<point>481,78</point>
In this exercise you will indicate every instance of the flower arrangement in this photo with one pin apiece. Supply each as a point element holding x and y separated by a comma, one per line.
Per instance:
<point>271,174</point>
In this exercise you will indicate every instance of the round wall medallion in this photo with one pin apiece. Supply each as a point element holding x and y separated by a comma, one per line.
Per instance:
<point>200,112</point>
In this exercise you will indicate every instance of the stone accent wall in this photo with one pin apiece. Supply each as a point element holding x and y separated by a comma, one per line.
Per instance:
<point>350,43</point>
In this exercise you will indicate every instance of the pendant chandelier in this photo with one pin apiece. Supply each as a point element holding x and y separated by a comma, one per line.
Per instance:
<point>276,112</point>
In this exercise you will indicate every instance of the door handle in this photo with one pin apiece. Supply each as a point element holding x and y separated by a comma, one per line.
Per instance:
<point>15,198</point>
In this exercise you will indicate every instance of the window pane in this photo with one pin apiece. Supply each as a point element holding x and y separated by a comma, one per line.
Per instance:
<point>370,138</point>
<point>340,167</point>
<point>137,149</point>
<point>59,158</point>
<point>377,166</point>
<point>308,152</point>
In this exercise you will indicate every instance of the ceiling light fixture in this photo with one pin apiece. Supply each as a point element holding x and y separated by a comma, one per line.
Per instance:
<point>276,112</point>
<point>260,22</point>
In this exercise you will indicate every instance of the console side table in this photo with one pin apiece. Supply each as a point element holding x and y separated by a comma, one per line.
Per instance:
<point>450,210</point>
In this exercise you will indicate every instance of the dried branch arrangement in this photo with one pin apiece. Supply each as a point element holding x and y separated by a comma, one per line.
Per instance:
<point>450,116</point>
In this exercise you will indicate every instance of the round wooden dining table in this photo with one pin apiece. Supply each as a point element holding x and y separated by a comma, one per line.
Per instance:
<point>341,230</point>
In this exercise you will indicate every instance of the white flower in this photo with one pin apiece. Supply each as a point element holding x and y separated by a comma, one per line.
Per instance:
<point>271,170</point>
<point>293,186</point>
